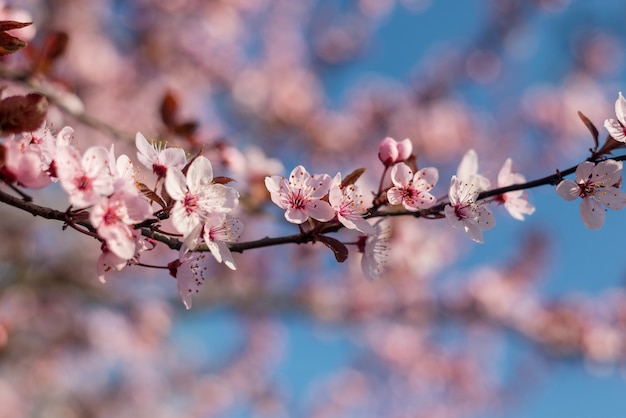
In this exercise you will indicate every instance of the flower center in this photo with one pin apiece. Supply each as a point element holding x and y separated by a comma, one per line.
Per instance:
<point>83,183</point>
<point>190,202</point>
<point>298,200</point>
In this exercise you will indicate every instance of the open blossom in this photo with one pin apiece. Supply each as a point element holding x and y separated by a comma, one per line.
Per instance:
<point>218,232</point>
<point>617,128</point>
<point>375,249</point>
<point>189,271</point>
<point>113,218</point>
<point>108,260</point>
<point>348,204</point>
<point>597,185</point>
<point>85,179</point>
<point>159,160</point>
<point>22,164</point>
<point>515,202</point>
<point>465,212</point>
<point>412,190</point>
<point>196,196</point>
<point>469,167</point>
<point>301,195</point>
<point>391,152</point>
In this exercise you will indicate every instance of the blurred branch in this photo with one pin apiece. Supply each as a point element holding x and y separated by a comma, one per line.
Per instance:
<point>80,115</point>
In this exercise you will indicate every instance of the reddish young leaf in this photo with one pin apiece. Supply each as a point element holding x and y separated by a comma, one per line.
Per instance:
<point>222,180</point>
<point>352,177</point>
<point>338,248</point>
<point>6,25</point>
<point>169,110</point>
<point>10,44</point>
<point>150,194</point>
<point>22,113</point>
<point>591,127</point>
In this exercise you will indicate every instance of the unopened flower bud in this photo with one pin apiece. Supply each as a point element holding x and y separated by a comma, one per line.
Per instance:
<point>388,151</point>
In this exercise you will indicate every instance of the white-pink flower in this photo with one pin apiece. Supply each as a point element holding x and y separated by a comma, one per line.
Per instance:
<point>301,195</point>
<point>159,160</point>
<point>218,232</point>
<point>85,179</point>
<point>349,205</point>
<point>411,190</point>
<point>113,218</point>
<point>23,164</point>
<point>597,185</point>
<point>464,211</point>
<point>188,270</point>
<point>196,196</point>
<point>375,249</point>
<point>108,260</point>
<point>617,128</point>
<point>515,202</point>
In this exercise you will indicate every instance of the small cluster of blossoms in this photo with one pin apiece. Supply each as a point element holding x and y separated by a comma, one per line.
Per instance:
<point>107,201</point>
<point>598,184</point>
<point>304,196</point>
<point>102,190</point>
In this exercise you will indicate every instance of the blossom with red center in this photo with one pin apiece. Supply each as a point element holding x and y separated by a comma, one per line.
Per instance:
<point>464,211</point>
<point>597,185</point>
<point>515,202</point>
<point>349,205</point>
<point>159,160</point>
<point>196,196</point>
<point>189,271</point>
<point>113,218</point>
<point>23,164</point>
<point>617,128</point>
<point>411,191</point>
<point>85,179</point>
<point>218,232</point>
<point>301,195</point>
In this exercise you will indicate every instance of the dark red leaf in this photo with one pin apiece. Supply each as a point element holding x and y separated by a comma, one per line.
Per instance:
<point>169,110</point>
<point>338,248</point>
<point>352,177</point>
<point>10,25</point>
<point>150,194</point>
<point>222,180</point>
<point>22,113</point>
<point>10,44</point>
<point>591,127</point>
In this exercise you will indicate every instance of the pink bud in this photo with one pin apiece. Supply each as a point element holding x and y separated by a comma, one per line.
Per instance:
<point>388,151</point>
<point>405,148</point>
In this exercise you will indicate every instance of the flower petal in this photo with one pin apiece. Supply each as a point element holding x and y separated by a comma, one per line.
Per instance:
<point>568,190</point>
<point>592,213</point>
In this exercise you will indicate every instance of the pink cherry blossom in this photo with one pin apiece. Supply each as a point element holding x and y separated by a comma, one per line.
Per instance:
<point>22,164</point>
<point>349,205</point>
<point>85,179</point>
<point>301,195</point>
<point>412,190</point>
<point>108,260</point>
<point>391,152</point>
<point>159,160</point>
<point>597,185</point>
<point>189,271</point>
<point>375,249</point>
<point>617,128</point>
<point>113,218</point>
<point>515,202</point>
<point>196,196</point>
<point>465,212</point>
<point>218,232</point>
